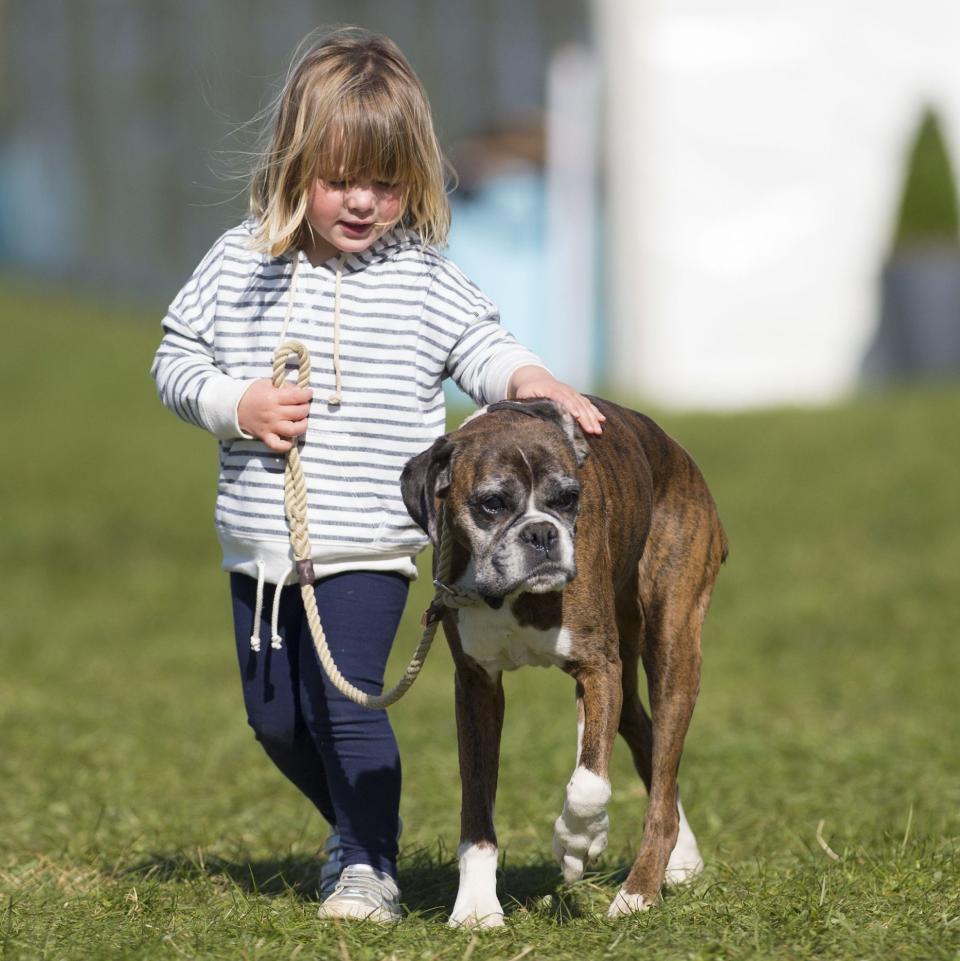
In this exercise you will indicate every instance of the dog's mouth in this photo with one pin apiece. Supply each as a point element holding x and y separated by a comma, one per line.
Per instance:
<point>544,578</point>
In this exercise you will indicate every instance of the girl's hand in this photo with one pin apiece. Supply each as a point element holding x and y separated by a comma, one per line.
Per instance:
<point>528,382</point>
<point>275,415</point>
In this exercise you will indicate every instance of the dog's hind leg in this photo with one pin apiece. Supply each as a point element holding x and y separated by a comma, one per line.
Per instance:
<point>676,578</point>
<point>636,729</point>
<point>479,707</point>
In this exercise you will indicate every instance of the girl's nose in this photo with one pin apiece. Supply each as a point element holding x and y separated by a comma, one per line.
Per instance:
<point>360,197</point>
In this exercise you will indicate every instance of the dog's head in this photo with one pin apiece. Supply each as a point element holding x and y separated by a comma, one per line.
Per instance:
<point>509,481</point>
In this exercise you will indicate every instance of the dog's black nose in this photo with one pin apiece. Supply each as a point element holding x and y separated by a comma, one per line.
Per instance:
<point>541,536</point>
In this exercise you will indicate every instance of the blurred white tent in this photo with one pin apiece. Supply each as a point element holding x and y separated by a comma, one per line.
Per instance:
<point>754,156</point>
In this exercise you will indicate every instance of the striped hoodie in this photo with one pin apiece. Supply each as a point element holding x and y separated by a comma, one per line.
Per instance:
<point>407,318</point>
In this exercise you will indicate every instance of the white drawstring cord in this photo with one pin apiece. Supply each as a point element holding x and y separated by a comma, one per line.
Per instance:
<point>257,610</point>
<point>337,396</point>
<point>275,640</point>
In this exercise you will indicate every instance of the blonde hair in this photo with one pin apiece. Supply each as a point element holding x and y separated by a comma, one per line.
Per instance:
<point>351,109</point>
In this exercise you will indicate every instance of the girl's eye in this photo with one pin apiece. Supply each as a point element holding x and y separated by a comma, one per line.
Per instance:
<point>335,184</point>
<point>493,504</point>
<point>386,185</point>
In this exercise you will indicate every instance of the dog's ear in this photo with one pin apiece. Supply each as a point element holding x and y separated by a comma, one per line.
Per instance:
<point>575,435</point>
<point>549,410</point>
<point>425,478</point>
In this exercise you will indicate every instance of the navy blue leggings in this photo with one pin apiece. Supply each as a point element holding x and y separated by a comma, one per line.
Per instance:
<point>343,757</point>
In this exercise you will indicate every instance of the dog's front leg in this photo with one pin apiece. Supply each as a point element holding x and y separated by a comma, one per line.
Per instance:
<point>479,704</point>
<point>580,833</point>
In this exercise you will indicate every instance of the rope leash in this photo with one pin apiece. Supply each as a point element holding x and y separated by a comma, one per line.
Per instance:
<point>295,502</point>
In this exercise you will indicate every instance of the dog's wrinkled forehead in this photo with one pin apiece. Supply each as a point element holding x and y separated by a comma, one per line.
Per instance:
<point>521,465</point>
<point>544,437</point>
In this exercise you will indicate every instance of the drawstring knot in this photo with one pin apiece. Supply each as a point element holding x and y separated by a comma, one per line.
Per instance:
<point>276,641</point>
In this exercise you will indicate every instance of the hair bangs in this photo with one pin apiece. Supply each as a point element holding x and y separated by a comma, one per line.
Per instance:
<point>366,140</point>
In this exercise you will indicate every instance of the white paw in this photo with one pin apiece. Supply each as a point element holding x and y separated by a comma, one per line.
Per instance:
<point>625,903</point>
<point>477,905</point>
<point>580,833</point>
<point>684,865</point>
<point>477,916</point>
<point>685,861</point>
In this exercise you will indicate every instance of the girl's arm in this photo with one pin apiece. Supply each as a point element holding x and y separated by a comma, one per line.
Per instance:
<point>193,386</point>
<point>189,381</point>
<point>486,361</point>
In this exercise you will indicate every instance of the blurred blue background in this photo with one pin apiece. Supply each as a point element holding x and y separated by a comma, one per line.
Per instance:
<point>692,206</point>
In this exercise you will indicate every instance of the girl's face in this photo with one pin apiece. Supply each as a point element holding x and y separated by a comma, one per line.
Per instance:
<point>349,217</point>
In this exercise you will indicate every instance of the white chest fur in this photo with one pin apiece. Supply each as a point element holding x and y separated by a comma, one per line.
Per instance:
<point>495,640</point>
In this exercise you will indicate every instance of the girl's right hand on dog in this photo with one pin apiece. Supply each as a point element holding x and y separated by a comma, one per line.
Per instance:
<point>275,415</point>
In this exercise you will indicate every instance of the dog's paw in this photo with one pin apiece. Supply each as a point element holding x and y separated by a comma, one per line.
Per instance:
<point>580,833</point>
<point>685,861</point>
<point>477,905</point>
<point>684,865</point>
<point>625,903</point>
<point>477,916</point>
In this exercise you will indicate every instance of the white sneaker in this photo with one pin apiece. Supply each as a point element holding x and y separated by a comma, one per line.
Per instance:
<point>365,894</point>
<point>331,867</point>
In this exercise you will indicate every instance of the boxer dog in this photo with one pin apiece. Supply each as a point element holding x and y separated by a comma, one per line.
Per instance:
<point>592,554</point>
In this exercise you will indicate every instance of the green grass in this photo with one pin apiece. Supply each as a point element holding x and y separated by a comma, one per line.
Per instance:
<point>138,817</point>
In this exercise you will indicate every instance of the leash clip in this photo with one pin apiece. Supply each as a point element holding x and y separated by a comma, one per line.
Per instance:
<point>433,613</point>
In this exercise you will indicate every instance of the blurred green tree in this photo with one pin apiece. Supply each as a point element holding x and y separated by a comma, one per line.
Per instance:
<point>928,214</point>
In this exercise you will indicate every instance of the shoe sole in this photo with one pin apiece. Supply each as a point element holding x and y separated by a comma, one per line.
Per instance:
<point>357,912</point>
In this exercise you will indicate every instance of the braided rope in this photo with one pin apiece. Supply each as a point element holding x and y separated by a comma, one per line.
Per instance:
<point>295,502</point>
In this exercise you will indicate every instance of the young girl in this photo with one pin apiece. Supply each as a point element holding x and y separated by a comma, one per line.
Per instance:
<point>340,252</point>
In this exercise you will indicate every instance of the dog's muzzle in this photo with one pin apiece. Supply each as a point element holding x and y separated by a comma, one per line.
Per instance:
<point>537,557</point>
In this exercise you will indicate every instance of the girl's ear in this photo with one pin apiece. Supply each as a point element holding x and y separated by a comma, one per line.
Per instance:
<point>425,478</point>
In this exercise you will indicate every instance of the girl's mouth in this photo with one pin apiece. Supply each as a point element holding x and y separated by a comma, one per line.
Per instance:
<point>355,229</point>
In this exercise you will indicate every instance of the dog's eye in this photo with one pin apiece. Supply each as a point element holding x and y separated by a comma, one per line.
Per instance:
<point>567,501</point>
<point>493,504</point>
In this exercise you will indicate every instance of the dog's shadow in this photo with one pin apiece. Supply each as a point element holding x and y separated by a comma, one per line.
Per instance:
<point>428,881</point>
<point>429,886</point>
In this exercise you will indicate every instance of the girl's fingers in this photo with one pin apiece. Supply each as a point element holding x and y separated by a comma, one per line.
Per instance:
<point>277,444</point>
<point>290,394</point>
<point>587,415</point>
<point>591,419</point>
<point>293,412</point>
<point>588,422</point>
<point>289,428</point>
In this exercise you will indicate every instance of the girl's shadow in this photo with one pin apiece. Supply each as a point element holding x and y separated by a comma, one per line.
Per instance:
<point>296,874</point>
